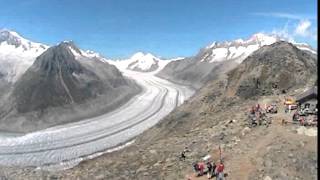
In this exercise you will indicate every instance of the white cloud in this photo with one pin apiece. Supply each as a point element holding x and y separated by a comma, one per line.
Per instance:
<point>296,30</point>
<point>298,27</point>
<point>284,15</point>
<point>304,29</point>
<point>284,33</point>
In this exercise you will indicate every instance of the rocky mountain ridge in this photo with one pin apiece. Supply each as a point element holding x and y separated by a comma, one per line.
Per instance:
<point>217,59</point>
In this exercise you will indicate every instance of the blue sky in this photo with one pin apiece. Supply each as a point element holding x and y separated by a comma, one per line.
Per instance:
<point>166,28</point>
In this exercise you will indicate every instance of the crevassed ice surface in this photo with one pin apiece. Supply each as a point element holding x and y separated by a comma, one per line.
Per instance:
<point>77,141</point>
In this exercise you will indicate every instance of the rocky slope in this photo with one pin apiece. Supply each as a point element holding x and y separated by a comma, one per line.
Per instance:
<point>217,59</point>
<point>276,68</point>
<point>213,117</point>
<point>63,76</point>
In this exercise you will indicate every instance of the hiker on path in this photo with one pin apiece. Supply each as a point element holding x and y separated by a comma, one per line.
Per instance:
<point>219,171</point>
<point>201,168</point>
<point>210,169</point>
<point>196,168</point>
<point>258,107</point>
<point>183,156</point>
<point>214,166</point>
<point>252,111</point>
<point>295,116</point>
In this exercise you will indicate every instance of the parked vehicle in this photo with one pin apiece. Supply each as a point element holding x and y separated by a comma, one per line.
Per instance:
<point>289,101</point>
<point>292,106</point>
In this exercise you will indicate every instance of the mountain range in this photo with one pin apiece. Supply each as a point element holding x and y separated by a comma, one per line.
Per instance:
<point>55,82</point>
<point>216,59</point>
<point>142,62</point>
<point>44,86</point>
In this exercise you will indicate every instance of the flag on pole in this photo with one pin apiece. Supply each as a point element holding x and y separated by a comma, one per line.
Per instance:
<point>220,152</point>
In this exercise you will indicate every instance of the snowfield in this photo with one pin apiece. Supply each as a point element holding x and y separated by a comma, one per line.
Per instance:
<point>17,54</point>
<point>65,146</point>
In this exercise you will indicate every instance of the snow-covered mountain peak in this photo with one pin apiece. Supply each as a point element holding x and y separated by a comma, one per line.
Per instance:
<point>137,55</point>
<point>263,39</point>
<point>260,37</point>
<point>237,49</point>
<point>143,57</point>
<point>79,53</point>
<point>72,47</point>
<point>17,54</point>
<point>143,62</point>
<point>240,41</point>
<point>12,38</point>
<point>212,45</point>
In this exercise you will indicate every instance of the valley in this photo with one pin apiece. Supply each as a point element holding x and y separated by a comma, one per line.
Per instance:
<point>71,143</point>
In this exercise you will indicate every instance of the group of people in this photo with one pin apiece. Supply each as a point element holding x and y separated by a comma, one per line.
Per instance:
<point>304,119</point>
<point>212,169</point>
<point>258,116</point>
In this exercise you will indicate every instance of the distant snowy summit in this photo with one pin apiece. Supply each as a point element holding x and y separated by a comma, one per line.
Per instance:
<point>11,38</point>
<point>218,58</point>
<point>142,62</point>
<point>239,49</point>
<point>17,54</point>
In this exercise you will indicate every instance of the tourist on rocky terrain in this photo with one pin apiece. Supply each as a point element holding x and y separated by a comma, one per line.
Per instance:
<point>183,156</point>
<point>219,171</point>
<point>214,166</point>
<point>252,111</point>
<point>201,168</point>
<point>302,120</point>
<point>295,116</point>
<point>258,107</point>
<point>183,153</point>
<point>210,170</point>
<point>196,168</point>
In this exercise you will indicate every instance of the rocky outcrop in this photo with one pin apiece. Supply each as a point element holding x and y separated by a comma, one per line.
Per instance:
<point>276,68</point>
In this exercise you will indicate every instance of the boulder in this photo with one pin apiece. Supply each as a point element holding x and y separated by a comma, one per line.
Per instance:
<point>267,178</point>
<point>245,131</point>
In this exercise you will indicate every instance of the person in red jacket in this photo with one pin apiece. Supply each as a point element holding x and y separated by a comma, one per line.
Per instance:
<point>219,171</point>
<point>201,168</point>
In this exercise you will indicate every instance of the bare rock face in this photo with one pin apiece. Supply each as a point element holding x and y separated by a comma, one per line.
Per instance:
<point>192,71</point>
<point>276,68</point>
<point>55,79</point>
